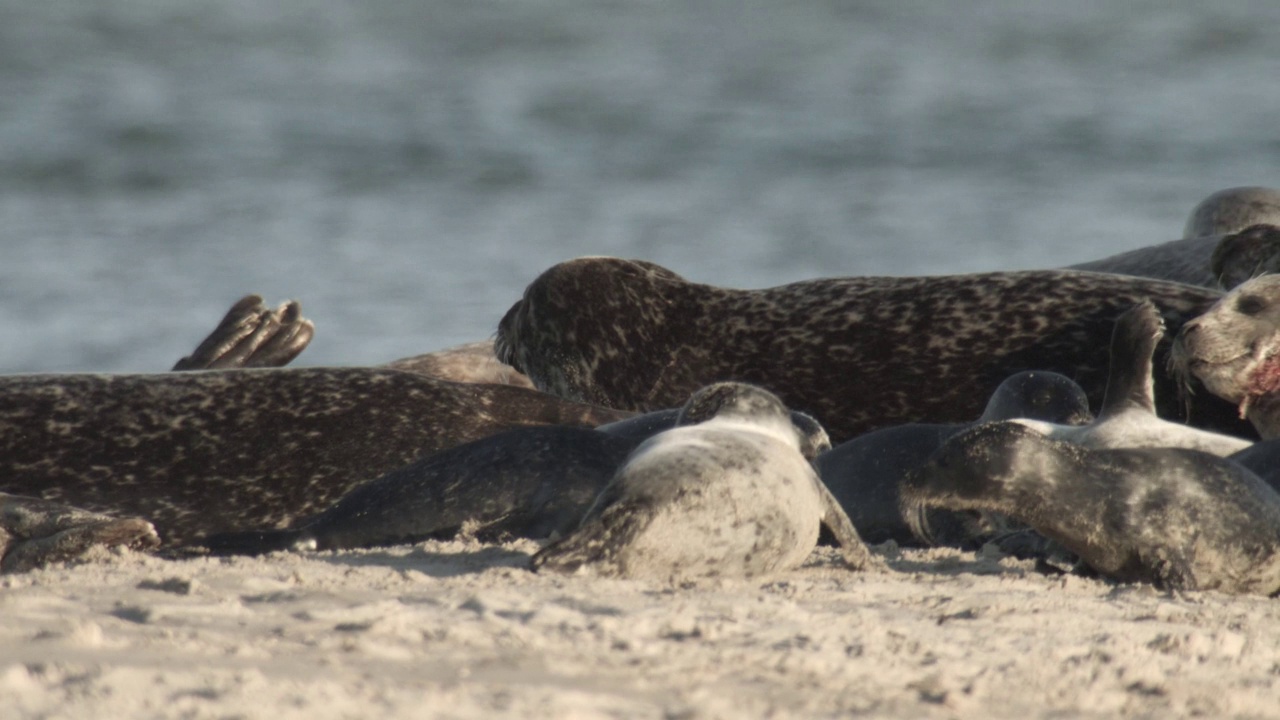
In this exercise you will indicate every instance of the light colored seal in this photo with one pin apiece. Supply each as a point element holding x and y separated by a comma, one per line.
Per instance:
<point>1128,418</point>
<point>1189,259</point>
<point>864,473</point>
<point>1234,349</point>
<point>856,353</point>
<point>1181,519</point>
<point>728,496</point>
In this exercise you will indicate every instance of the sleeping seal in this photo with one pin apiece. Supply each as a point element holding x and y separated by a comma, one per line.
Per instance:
<point>856,353</point>
<point>533,482</point>
<point>727,496</point>
<point>864,473</point>
<point>1181,519</point>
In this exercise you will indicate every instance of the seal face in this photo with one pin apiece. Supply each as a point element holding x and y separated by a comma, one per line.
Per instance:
<point>1179,518</point>
<point>864,474</point>
<point>1234,349</point>
<point>725,494</point>
<point>856,353</point>
<point>1128,415</point>
<point>204,452</point>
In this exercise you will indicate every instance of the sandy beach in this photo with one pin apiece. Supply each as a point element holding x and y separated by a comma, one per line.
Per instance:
<point>463,630</point>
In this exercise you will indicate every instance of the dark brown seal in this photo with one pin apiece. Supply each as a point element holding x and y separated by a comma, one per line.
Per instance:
<point>856,353</point>
<point>213,451</point>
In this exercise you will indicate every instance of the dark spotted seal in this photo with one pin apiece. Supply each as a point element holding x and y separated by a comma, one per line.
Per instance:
<point>864,473</point>
<point>530,482</point>
<point>856,353</point>
<point>202,452</point>
<point>1234,349</point>
<point>1179,518</point>
<point>1128,418</point>
<point>1247,254</point>
<point>730,496</point>
<point>1189,260</point>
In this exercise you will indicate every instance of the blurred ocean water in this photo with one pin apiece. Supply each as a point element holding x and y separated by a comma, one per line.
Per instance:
<point>404,168</point>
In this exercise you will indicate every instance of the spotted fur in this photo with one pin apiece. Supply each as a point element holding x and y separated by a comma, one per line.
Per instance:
<point>856,353</point>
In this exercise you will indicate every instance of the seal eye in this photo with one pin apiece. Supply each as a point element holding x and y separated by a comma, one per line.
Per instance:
<point>1250,305</point>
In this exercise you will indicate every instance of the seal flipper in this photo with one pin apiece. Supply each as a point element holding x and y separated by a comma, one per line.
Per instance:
<point>1130,385</point>
<point>855,552</point>
<point>250,335</point>
<point>610,524</point>
<point>36,532</point>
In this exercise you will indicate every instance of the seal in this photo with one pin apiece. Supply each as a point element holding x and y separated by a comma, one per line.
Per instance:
<point>856,353</point>
<point>252,335</point>
<point>1181,519</point>
<point>34,533</point>
<point>529,482</point>
<point>1189,259</point>
<point>203,452</point>
<point>1128,418</point>
<point>1234,349</point>
<point>864,474</point>
<point>730,496</point>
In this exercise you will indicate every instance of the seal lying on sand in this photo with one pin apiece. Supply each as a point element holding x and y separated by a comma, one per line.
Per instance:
<point>729,496</point>
<point>864,473</point>
<point>1128,418</point>
<point>197,453</point>
<point>856,353</point>
<point>1179,518</point>
<point>531,482</point>
<point>1234,349</point>
<point>34,533</point>
<point>1189,260</point>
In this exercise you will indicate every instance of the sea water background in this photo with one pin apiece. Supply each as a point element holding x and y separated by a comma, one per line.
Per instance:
<point>405,167</point>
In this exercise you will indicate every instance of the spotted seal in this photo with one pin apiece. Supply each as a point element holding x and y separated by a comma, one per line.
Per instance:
<point>1127,418</point>
<point>1178,518</point>
<point>856,353</point>
<point>725,496</point>
<point>237,449</point>
<point>864,473</point>
<point>1247,254</point>
<point>1234,350</point>
<point>533,482</point>
<point>1189,260</point>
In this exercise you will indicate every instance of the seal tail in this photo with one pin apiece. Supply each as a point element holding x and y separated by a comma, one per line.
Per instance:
<point>257,542</point>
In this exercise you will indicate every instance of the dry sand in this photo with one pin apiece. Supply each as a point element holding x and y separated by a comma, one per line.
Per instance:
<point>462,630</point>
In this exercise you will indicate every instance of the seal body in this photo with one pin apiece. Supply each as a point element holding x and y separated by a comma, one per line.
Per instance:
<point>730,496</point>
<point>864,474</point>
<point>226,450</point>
<point>1178,518</point>
<point>1191,259</point>
<point>534,482</point>
<point>1234,350</point>
<point>856,353</point>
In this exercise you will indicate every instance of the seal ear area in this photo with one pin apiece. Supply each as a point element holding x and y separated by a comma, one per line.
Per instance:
<point>1247,254</point>
<point>814,439</point>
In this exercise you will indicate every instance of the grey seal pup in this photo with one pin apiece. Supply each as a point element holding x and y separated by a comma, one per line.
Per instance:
<point>530,482</point>
<point>1180,519</point>
<point>725,494</point>
<point>1189,260</point>
<point>864,474</point>
<point>856,353</point>
<point>1234,350</point>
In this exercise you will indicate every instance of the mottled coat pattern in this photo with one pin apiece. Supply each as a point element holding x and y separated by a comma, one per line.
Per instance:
<point>216,451</point>
<point>856,353</point>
